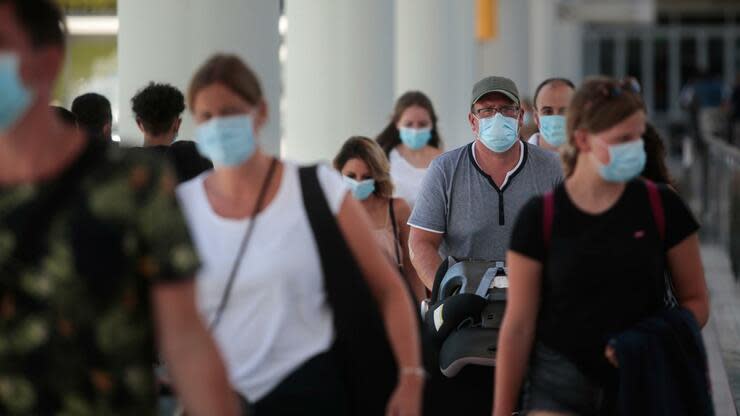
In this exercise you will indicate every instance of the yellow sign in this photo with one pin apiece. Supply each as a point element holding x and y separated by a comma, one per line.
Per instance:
<point>486,19</point>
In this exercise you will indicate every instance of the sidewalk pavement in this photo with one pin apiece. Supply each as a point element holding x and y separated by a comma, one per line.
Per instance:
<point>722,333</point>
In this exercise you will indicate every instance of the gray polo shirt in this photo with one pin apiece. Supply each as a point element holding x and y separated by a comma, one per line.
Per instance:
<point>458,199</point>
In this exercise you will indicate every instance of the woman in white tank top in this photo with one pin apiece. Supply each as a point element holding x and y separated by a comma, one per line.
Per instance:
<point>365,169</point>
<point>411,141</point>
<point>248,221</point>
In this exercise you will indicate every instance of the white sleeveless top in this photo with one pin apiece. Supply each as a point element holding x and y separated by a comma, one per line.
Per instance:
<point>406,178</point>
<point>277,317</point>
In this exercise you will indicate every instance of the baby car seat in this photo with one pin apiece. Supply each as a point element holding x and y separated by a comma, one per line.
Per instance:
<point>463,316</point>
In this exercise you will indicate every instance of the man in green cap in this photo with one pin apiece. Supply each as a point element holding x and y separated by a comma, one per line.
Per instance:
<point>469,201</point>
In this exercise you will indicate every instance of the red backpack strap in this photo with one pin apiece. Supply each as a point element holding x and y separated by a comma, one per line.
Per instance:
<point>548,213</point>
<point>656,205</point>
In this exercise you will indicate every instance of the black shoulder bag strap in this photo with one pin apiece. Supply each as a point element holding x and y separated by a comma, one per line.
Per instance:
<point>396,236</point>
<point>362,347</point>
<point>243,247</point>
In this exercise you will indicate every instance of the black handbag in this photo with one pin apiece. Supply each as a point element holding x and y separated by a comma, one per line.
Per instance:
<point>362,348</point>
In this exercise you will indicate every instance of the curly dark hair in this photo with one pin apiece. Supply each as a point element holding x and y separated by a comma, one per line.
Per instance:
<point>389,138</point>
<point>157,106</point>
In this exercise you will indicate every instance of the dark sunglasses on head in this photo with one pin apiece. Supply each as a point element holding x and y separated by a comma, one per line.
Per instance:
<point>628,84</point>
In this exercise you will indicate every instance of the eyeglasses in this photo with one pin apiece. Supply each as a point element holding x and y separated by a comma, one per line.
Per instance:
<point>506,110</point>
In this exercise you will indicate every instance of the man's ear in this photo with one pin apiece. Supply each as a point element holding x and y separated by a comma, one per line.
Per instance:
<point>177,125</point>
<point>473,123</point>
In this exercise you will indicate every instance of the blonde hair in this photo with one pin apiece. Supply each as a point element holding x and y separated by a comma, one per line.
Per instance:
<point>367,150</point>
<point>598,105</point>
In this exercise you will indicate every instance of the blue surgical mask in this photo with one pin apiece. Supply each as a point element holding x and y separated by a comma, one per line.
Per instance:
<point>15,98</point>
<point>361,190</point>
<point>626,161</point>
<point>415,139</point>
<point>552,129</point>
<point>227,141</point>
<point>498,133</point>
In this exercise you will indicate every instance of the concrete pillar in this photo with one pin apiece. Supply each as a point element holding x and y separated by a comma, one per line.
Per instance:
<point>338,74</point>
<point>508,54</point>
<point>555,45</point>
<point>166,41</point>
<point>567,50</point>
<point>436,54</point>
<point>541,25</point>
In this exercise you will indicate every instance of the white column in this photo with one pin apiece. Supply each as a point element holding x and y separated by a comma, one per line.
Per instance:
<point>338,74</point>
<point>508,55</point>
<point>541,24</point>
<point>555,46</point>
<point>436,54</point>
<point>167,40</point>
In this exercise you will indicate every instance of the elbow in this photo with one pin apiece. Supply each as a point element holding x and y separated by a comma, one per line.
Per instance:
<point>702,313</point>
<point>699,307</point>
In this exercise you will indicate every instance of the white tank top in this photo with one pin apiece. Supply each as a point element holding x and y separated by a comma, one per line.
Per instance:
<point>406,178</point>
<point>278,316</point>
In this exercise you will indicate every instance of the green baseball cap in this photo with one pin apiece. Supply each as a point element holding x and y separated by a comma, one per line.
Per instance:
<point>495,84</point>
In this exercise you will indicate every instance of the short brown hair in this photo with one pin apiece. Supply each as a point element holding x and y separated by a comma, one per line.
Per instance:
<point>230,71</point>
<point>42,20</point>
<point>554,81</point>
<point>598,105</point>
<point>365,149</point>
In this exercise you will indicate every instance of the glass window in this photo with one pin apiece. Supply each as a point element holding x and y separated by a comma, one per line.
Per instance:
<point>716,54</point>
<point>606,56</point>
<point>634,58</point>
<point>688,59</point>
<point>660,74</point>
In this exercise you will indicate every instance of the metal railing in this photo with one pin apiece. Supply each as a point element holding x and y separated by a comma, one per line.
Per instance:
<point>711,183</point>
